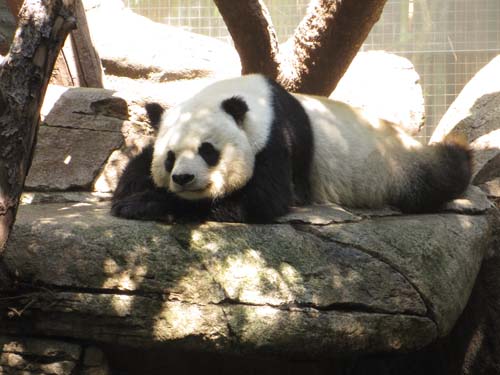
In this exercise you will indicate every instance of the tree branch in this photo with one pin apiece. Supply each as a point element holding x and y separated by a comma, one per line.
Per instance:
<point>316,57</point>
<point>42,28</point>
<point>325,42</point>
<point>250,26</point>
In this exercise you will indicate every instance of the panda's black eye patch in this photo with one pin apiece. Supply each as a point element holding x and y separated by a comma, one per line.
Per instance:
<point>169,161</point>
<point>209,153</point>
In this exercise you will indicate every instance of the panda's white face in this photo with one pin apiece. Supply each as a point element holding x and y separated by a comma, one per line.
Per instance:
<point>206,146</point>
<point>201,154</point>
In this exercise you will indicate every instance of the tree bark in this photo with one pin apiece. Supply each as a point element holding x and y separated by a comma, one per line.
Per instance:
<point>42,28</point>
<point>250,26</point>
<point>326,42</point>
<point>318,54</point>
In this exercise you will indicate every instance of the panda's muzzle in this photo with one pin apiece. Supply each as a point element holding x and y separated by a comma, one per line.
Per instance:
<point>186,184</point>
<point>183,179</point>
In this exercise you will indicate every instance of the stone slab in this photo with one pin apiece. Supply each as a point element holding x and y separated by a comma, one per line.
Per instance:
<point>69,159</point>
<point>308,291</point>
<point>440,255</point>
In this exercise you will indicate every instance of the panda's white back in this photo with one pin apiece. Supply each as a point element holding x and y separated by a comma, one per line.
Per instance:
<point>358,161</point>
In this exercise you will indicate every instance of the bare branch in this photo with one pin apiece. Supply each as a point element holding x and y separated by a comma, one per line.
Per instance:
<point>250,26</point>
<point>42,28</point>
<point>325,43</point>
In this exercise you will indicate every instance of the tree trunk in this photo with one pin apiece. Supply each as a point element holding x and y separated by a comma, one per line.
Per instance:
<point>253,34</point>
<point>319,52</point>
<point>42,28</point>
<point>326,41</point>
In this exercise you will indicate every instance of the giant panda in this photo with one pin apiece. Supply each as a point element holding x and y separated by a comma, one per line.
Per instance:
<point>246,150</point>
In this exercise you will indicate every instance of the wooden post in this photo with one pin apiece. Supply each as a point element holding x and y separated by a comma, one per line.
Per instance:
<point>86,59</point>
<point>78,63</point>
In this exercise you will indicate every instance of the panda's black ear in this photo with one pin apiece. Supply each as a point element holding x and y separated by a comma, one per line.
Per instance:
<point>154,111</point>
<point>236,107</point>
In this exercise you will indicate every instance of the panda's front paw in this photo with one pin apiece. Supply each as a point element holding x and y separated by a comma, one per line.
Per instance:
<point>139,207</point>
<point>126,209</point>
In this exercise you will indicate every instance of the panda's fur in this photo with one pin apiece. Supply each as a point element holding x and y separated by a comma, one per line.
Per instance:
<point>246,150</point>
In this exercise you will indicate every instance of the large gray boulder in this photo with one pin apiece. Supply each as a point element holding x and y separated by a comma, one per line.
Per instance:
<point>80,128</point>
<point>475,112</point>
<point>386,86</point>
<point>486,163</point>
<point>475,115</point>
<point>153,51</point>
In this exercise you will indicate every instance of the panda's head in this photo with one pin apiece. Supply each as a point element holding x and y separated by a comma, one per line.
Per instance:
<point>202,149</point>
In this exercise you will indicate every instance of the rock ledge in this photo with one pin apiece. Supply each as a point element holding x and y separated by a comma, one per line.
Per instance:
<point>355,283</point>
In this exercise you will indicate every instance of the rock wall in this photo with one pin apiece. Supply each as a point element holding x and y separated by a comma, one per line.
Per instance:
<point>475,115</point>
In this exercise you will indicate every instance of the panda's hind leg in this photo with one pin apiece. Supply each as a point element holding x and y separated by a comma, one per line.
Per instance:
<point>441,173</point>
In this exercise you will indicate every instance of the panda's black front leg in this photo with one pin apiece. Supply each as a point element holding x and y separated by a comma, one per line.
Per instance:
<point>136,196</point>
<point>230,209</point>
<point>266,196</point>
<point>145,205</point>
<point>251,206</point>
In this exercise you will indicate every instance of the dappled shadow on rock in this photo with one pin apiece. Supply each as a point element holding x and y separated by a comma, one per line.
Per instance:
<point>284,295</point>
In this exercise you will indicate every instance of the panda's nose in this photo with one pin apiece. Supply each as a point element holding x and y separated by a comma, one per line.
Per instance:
<point>182,179</point>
